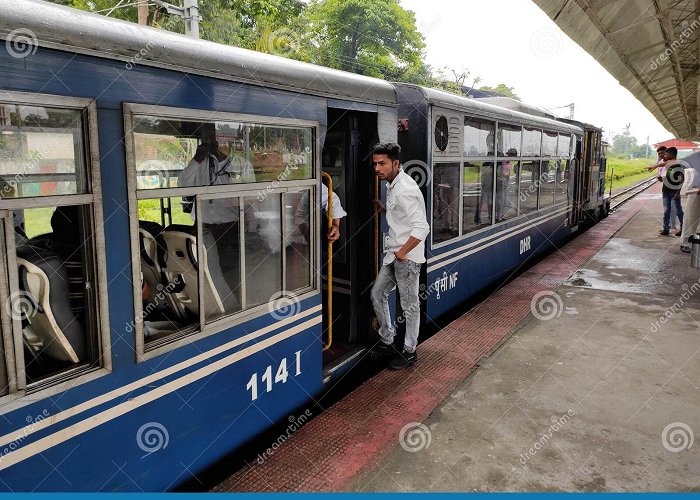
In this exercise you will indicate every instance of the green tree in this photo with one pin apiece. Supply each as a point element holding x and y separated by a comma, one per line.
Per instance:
<point>502,89</point>
<point>623,142</point>
<point>372,37</point>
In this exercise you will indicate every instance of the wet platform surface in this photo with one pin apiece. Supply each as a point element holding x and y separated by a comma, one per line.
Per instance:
<point>591,385</point>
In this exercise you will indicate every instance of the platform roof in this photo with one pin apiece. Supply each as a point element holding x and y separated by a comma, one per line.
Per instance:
<point>651,47</point>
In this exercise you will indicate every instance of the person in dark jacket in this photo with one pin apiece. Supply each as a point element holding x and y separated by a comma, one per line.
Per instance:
<point>671,192</point>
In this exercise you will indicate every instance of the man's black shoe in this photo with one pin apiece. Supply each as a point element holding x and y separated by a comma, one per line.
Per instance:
<point>403,360</point>
<point>382,349</point>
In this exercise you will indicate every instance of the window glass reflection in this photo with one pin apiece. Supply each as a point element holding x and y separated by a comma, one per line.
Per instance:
<point>509,137</point>
<point>298,244</point>
<point>445,201</point>
<point>506,190</point>
<point>549,143</point>
<point>42,152</point>
<point>529,186</point>
<point>477,195</point>
<point>263,249</point>
<point>478,137</point>
<point>183,153</point>
<point>532,140</point>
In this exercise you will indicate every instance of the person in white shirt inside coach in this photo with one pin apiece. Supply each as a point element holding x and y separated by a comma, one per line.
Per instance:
<point>405,254</point>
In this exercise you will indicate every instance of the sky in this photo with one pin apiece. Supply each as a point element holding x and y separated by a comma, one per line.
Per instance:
<point>514,42</point>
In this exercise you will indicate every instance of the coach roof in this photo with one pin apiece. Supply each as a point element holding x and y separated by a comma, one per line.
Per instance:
<point>74,30</point>
<point>478,108</point>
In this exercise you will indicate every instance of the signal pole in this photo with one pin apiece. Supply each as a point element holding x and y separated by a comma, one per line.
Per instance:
<point>189,12</point>
<point>627,136</point>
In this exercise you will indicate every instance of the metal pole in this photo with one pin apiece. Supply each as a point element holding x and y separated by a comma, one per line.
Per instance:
<point>191,18</point>
<point>142,12</point>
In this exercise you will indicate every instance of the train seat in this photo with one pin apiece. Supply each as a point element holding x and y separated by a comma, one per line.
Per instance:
<point>153,251</point>
<point>183,265</point>
<point>50,327</point>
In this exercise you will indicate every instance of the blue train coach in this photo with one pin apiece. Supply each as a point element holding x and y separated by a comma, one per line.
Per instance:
<point>165,294</point>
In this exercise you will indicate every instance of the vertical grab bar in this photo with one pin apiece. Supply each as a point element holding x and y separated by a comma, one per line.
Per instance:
<point>329,263</point>
<point>375,323</point>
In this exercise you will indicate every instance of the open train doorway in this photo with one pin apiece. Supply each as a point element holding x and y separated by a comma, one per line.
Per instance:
<point>345,157</point>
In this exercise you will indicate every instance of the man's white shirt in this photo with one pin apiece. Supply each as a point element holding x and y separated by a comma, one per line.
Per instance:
<point>405,214</point>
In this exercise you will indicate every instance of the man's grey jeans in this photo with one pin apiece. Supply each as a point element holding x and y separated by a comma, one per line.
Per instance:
<point>404,275</point>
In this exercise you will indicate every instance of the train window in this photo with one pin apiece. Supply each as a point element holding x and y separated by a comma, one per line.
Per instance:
<point>42,151</point>
<point>55,303</point>
<point>549,143</point>
<point>506,190</point>
<point>263,249</point>
<point>445,201</point>
<point>564,146</point>
<point>214,245</point>
<point>478,137</point>
<point>477,195</point>
<point>562,189</point>
<point>532,140</point>
<point>297,240</point>
<point>529,186</point>
<point>168,150</point>
<point>509,140</point>
<point>168,269</point>
<point>52,277</point>
<point>549,174</point>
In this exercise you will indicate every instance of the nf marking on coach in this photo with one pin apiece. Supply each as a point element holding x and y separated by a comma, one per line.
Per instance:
<point>525,245</point>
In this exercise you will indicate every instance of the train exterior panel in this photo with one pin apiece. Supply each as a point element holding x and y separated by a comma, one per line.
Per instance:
<point>486,222</point>
<point>149,415</point>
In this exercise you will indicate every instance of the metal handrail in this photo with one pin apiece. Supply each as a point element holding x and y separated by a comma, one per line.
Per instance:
<point>329,263</point>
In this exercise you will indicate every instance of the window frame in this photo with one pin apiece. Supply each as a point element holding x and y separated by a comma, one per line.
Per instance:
<point>204,329</point>
<point>71,377</point>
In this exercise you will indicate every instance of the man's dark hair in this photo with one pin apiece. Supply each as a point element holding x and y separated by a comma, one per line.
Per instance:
<point>391,149</point>
<point>661,149</point>
<point>672,151</point>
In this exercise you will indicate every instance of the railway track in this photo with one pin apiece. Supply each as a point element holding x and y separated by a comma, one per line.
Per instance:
<point>624,196</point>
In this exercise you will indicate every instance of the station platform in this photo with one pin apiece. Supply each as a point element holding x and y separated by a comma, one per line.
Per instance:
<point>587,381</point>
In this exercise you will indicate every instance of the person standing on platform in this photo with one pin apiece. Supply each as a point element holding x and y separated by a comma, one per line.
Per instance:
<point>405,245</point>
<point>692,206</point>
<point>671,190</point>
<point>661,162</point>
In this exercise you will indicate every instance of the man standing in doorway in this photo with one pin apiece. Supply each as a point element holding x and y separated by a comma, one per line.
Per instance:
<point>405,254</point>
